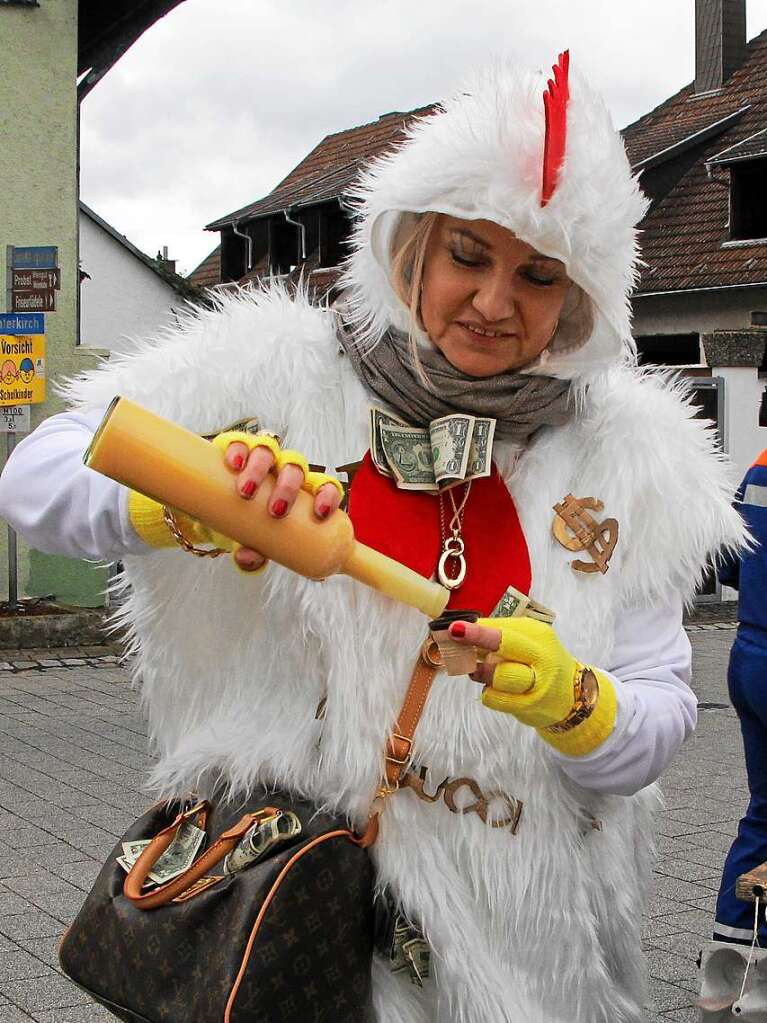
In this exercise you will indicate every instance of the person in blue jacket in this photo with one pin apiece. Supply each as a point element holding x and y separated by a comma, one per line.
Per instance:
<point>747,681</point>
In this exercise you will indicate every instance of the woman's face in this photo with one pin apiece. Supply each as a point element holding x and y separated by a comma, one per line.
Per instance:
<point>489,302</point>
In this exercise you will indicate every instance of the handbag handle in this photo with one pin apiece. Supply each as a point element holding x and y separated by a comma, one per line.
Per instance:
<point>161,896</point>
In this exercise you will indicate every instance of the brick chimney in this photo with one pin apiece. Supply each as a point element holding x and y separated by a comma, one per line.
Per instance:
<point>720,41</point>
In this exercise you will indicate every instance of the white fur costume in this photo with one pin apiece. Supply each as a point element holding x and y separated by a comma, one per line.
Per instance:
<point>541,927</point>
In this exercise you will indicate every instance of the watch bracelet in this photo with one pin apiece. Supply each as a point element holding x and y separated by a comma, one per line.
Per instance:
<point>583,702</point>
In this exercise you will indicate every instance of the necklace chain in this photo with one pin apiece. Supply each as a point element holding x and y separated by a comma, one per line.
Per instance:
<point>453,545</point>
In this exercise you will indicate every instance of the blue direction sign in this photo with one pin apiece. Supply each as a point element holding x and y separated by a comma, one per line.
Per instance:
<point>34,257</point>
<point>22,323</point>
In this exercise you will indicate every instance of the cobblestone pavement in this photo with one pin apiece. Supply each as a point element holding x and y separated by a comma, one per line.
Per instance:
<point>72,753</point>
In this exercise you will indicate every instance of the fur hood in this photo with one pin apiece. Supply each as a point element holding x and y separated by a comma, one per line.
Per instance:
<point>480,157</point>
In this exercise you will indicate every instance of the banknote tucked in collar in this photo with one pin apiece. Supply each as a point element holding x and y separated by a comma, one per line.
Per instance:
<point>450,450</point>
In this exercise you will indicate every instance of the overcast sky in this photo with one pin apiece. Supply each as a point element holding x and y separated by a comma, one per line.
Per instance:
<point>219,100</point>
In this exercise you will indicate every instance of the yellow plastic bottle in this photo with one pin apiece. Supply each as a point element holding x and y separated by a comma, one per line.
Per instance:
<point>176,467</point>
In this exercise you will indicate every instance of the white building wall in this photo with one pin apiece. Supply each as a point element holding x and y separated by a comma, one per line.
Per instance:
<point>124,298</point>
<point>744,439</point>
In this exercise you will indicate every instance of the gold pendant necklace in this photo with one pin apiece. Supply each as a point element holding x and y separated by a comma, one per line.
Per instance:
<point>453,546</point>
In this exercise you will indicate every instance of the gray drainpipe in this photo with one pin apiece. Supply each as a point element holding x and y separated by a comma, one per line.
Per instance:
<point>301,227</point>
<point>248,239</point>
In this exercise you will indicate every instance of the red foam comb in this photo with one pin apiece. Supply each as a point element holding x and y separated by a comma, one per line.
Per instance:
<point>555,100</point>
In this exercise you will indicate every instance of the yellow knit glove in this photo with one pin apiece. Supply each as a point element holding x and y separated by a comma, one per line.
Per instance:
<point>282,457</point>
<point>148,517</point>
<point>535,681</point>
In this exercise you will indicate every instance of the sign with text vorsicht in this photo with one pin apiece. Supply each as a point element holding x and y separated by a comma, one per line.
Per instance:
<point>22,369</point>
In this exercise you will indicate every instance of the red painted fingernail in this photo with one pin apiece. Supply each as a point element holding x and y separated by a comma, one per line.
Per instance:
<point>323,511</point>
<point>248,488</point>
<point>279,508</point>
<point>237,462</point>
<point>458,629</point>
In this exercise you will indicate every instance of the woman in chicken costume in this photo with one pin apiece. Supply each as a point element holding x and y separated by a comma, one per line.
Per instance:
<point>492,260</point>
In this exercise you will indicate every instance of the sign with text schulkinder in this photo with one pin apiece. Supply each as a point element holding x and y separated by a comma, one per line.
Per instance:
<point>22,359</point>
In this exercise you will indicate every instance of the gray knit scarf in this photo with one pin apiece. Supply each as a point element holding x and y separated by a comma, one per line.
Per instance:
<point>521,404</point>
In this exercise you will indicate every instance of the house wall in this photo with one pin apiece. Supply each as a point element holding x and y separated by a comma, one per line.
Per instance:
<point>123,299</point>
<point>705,312</point>
<point>697,312</point>
<point>38,206</point>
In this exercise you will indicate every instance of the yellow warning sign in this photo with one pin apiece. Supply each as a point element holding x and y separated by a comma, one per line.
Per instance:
<point>22,369</point>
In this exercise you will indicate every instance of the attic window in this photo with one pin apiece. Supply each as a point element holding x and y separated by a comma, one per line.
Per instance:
<point>748,199</point>
<point>669,350</point>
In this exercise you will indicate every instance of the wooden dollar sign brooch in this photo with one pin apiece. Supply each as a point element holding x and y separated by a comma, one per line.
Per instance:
<point>577,530</point>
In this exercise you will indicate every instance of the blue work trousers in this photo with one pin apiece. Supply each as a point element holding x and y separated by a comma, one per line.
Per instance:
<point>747,682</point>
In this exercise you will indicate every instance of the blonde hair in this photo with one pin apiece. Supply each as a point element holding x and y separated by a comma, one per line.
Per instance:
<point>408,258</point>
<point>576,321</point>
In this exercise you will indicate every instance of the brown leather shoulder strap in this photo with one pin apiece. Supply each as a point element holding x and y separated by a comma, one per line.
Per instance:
<point>400,743</point>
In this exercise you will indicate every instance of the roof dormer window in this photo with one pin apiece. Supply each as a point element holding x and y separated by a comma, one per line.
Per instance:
<point>748,199</point>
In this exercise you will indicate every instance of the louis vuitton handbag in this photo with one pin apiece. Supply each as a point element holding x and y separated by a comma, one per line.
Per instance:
<point>252,912</point>
<point>272,922</point>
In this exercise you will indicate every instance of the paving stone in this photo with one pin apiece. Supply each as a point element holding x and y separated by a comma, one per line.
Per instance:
<point>34,997</point>
<point>12,1013</point>
<point>665,965</point>
<point>76,1014</point>
<point>684,943</point>
<point>680,891</point>
<point>30,925</point>
<point>686,870</point>
<point>20,965</point>
<point>63,906</point>
<point>81,874</point>
<point>688,1015</point>
<point>44,949</point>
<point>667,996</point>
<point>11,903</point>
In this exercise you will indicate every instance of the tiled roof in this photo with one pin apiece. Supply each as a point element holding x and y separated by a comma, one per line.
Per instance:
<point>208,272</point>
<point>682,235</point>
<point>329,168</point>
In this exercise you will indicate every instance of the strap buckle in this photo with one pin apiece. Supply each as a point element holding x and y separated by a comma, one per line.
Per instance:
<point>390,755</point>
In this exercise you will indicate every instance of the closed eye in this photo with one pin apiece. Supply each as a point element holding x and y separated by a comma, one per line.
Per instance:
<point>463,260</point>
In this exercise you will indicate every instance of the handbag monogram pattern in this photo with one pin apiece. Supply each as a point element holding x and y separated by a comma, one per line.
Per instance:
<point>287,938</point>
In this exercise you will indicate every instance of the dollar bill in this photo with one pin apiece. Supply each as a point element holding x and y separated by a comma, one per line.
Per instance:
<point>263,837</point>
<point>450,447</point>
<point>178,857</point>
<point>481,449</point>
<point>453,449</point>
<point>515,604</point>
<point>407,450</point>
<point>379,418</point>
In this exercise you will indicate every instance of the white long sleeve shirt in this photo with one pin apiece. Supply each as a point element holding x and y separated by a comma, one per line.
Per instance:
<point>60,506</point>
